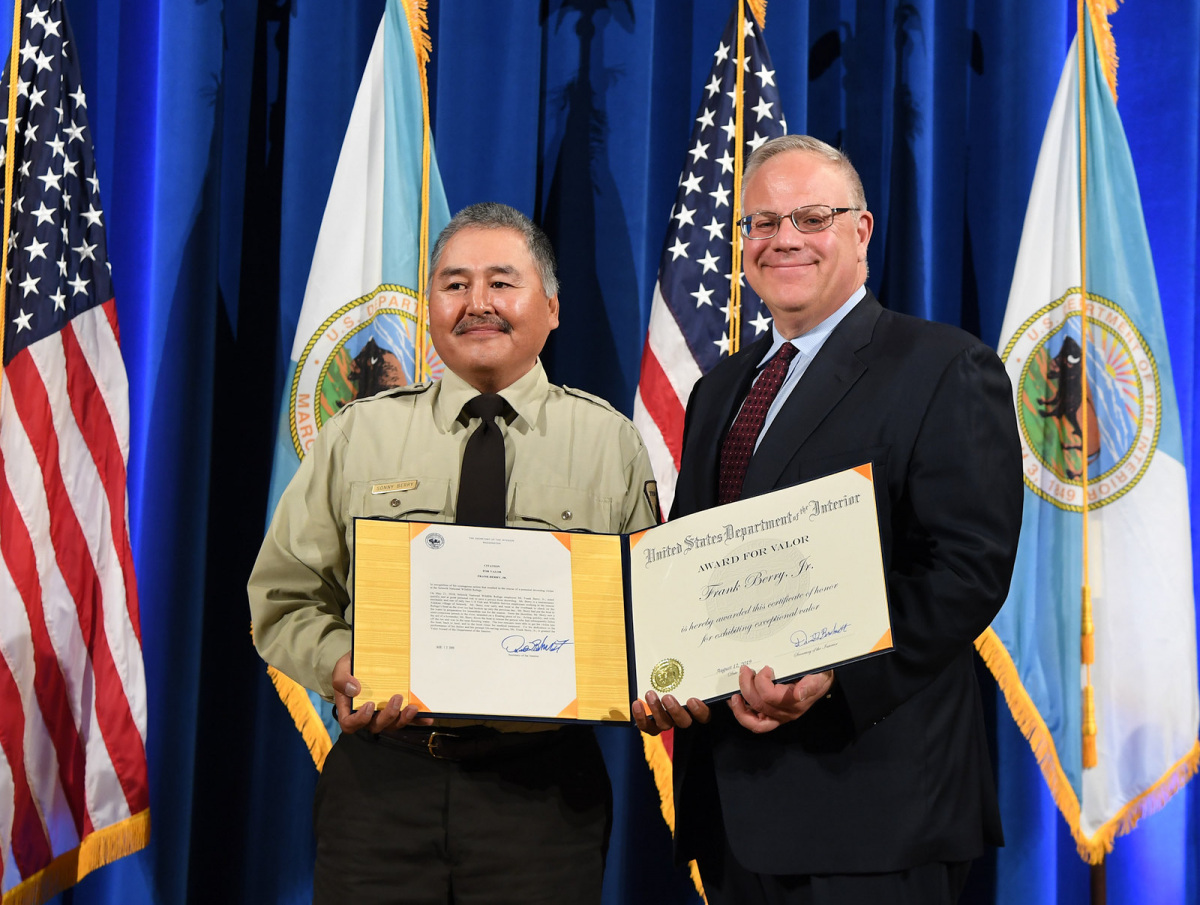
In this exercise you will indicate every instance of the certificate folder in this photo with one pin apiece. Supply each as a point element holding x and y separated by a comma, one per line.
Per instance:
<point>510,623</point>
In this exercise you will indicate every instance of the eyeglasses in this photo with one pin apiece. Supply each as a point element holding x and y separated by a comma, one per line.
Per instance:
<point>812,218</point>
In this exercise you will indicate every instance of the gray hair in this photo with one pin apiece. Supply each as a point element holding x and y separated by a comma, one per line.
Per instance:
<point>809,145</point>
<point>492,215</point>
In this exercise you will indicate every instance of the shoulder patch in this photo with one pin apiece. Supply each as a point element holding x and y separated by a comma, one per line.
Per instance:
<point>650,488</point>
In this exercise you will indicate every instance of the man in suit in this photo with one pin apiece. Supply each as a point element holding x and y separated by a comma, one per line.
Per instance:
<point>871,782</point>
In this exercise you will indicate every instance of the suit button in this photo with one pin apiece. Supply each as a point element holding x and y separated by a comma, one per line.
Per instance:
<point>395,502</point>
<point>567,515</point>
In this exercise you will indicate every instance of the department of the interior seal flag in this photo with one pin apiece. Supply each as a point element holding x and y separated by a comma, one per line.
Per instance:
<point>359,330</point>
<point>1095,648</point>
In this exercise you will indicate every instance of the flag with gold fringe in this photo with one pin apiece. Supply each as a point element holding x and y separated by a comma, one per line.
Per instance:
<point>1095,648</point>
<point>362,327</point>
<point>699,314</point>
<point>74,786</point>
<point>701,310</point>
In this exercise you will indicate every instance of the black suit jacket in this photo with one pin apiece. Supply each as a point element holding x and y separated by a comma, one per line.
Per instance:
<point>893,770</point>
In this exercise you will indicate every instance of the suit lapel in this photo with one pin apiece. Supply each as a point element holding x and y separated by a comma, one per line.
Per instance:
<point>829,377</point>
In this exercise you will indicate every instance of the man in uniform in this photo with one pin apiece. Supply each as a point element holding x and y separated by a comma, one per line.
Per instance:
<point>406,811</point>
<point>870,782</point>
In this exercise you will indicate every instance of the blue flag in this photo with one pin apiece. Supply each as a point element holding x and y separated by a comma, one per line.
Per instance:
<point>1103,685</point>
<point>358,331</point>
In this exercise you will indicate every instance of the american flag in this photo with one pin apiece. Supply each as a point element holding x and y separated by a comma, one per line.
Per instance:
<point>689,318</point>
<point>73,783</point>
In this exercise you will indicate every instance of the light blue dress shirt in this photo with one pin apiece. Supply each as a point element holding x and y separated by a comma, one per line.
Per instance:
<point>807,346</point>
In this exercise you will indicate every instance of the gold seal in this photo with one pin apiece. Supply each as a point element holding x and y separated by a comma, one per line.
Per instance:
<point>666,675</point>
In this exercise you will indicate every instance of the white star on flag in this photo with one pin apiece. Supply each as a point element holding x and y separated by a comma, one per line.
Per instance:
<point>763,109</point>
<point>689,328</point>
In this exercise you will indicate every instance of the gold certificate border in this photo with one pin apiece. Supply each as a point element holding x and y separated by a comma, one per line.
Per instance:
<point>601,664</point>
<point>382,619</point>
<point>382,624</point>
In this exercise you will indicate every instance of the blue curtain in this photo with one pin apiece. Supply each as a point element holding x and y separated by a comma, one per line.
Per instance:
<point>217,128</point>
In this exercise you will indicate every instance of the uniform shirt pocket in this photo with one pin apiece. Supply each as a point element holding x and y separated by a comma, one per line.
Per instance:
<point>411,499</point>
<point>561,509</point>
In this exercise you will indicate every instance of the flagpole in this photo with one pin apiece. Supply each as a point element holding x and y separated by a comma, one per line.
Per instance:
<point>418,25</point>
<point>735,284</point>
<point>10,149</point>
<point>1097,875</point>
<point>1087,643</point>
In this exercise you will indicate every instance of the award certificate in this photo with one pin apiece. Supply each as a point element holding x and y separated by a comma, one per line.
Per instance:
<point>490,622</point>
<point>791,579</point>
<point>509,623</point>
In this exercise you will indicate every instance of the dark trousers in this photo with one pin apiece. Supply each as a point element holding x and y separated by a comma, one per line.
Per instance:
<point>727,882</point>
<point>527,825</point>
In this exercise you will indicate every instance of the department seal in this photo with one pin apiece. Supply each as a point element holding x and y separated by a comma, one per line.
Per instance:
<point>666,675</point>
<point>1119,423</point>
<point>366,346</point>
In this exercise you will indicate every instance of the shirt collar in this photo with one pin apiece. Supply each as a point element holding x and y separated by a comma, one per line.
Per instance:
<point>526,396</point>
<point>808,344</point>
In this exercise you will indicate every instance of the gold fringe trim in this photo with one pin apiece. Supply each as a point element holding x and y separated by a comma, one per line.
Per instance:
<point>759,9</point>
<point>417,14</point>
<point>101,847</point>
<point>295,698</point>
<point>660,765</point>
<point>1094,848</point>
<point>1034,728</point>
<point>1106,45</point>
<point>1150,801</point>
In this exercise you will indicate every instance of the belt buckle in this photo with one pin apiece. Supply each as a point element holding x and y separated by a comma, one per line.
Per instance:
<point>433,737</point>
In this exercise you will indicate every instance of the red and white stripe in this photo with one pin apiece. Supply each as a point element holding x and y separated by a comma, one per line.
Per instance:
<point>73,724</point>
<point>669,371</point>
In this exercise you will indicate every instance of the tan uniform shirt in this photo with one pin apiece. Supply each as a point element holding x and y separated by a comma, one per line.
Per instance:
<point>573,464</point>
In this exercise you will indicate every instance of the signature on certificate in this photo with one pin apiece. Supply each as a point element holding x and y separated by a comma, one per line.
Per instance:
<point>800,638</point>
<point>516,644</point>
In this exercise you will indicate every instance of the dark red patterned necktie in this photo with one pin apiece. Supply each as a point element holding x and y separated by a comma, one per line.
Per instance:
<point>739,442</point>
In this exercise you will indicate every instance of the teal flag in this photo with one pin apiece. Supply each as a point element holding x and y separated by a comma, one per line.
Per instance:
<point>358,328</point>
<point>1135,706</point>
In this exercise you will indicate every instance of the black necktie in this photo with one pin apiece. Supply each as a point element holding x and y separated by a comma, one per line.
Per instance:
<point>481,484</point>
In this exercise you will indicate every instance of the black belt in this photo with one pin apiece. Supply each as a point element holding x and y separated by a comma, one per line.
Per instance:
<point>467,743</point>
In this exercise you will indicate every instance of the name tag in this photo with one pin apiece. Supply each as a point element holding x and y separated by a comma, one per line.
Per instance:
<point>394,486</point>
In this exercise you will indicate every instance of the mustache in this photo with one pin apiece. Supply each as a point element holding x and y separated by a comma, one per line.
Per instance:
<point>472,321</point>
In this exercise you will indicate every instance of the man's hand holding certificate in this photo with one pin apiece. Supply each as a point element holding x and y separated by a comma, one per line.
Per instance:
<point>506,623</point>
